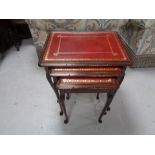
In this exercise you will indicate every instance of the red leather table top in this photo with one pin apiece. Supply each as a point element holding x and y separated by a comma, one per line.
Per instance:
<point>79,48</point>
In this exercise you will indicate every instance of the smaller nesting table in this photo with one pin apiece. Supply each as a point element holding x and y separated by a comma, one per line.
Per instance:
<point>84,62</point>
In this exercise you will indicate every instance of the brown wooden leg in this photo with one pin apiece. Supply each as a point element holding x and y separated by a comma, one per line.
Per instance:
<point>97,96</point>
<point>55,90</point>
<point>62,102</point>
<point>109,100</point>
<point>68,96</point>
<point>121,79</point>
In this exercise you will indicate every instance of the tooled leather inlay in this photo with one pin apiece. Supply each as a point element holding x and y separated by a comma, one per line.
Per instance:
<point>84,46</point>
<point>93,69</point>
<point>87,81</point>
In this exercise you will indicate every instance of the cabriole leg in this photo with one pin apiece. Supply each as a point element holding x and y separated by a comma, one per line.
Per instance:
<point>55,90</point>
<point>107,105</point>
<point>68,96</point>
<point>62,102</point>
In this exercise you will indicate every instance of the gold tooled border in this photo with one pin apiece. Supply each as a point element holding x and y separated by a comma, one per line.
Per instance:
<point>85,69</point>
<point>83,59</point>
<point>86,81</point>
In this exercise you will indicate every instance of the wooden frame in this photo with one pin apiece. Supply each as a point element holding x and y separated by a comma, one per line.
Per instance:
<point>95,69</point>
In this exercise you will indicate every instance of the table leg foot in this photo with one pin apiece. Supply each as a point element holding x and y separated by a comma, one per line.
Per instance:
<point>65,121</point>
<point>61,113</point>
<point>108,109</point>
<point>100,121</point>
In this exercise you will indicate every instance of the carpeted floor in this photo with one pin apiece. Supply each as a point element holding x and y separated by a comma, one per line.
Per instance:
<point>28,104</point>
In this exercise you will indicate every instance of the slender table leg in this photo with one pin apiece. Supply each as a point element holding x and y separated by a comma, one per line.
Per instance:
<point>121,79</point>
<point>62,102</point>
<point>97,96</point>
<point>109,100</point>
<point>68,96</point>
<point>55,90</point>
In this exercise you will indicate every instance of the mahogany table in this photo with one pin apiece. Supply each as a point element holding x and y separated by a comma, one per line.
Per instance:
<point>84,62</point>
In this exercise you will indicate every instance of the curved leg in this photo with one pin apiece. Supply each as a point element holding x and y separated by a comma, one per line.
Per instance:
<point>120,80</point>
<point>109,100</point>
<point>55,90</point>
<point>62,103</point>
<point>97,96</point>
